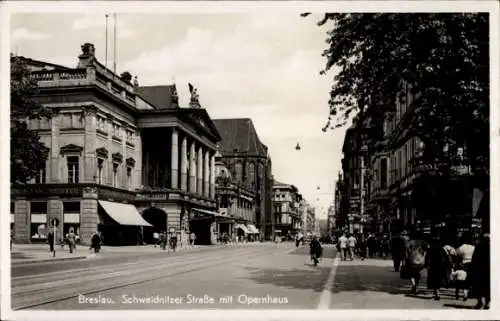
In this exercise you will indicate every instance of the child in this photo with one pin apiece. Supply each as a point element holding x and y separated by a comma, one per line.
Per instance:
<point>459,276</point>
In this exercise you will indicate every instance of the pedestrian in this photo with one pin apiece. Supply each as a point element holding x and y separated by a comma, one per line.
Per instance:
<point>362,247</point>
<point>343,241</point>
<point>192,238</point>
<point>436,261</point>
<point>352,246</point>
<point>414,262</point>
<point>371,242</point>
<point>71,241</point>
<point>95,242</point>
<point>156,239</point>
<point>464,258</point>
<point>50,240</point>
<point>163,240</point>
<point>480,273</point>
<point>315,250</point>
<point>173,241</point>
<point>398,247</point>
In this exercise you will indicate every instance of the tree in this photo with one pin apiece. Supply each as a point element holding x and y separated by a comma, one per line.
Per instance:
<point>27,154</point>
<point>444,57</point>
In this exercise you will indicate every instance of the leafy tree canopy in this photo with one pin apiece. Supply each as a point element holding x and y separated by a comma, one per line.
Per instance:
<point>27,154</point>
<point>443,56</point>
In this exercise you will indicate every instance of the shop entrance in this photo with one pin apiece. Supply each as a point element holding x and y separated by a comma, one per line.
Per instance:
<point>201,228</point>
<point>156,217</point>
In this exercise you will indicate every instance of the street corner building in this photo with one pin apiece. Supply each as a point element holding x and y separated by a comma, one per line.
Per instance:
<point>293,215</point>
<point>388,186</point>
<point>244,180</point>
<point>124,160</point>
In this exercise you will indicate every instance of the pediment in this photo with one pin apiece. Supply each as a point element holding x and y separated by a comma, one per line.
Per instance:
<point>204,123</point>
<point>71,148</point>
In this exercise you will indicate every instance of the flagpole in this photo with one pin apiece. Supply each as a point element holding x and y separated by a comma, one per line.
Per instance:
<point>114,46</point>
<point>106,59</point>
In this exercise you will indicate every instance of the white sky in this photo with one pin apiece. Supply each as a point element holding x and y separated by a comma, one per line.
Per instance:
<point>265,67</point>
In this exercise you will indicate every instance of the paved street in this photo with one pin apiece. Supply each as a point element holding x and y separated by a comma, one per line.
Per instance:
<point>253,276</point>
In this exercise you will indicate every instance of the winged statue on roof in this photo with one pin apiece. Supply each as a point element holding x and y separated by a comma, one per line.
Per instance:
<point>195,101</point>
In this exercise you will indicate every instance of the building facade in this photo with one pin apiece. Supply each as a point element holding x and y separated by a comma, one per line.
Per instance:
<point>124,160</point>
<point>248,161</point>
<point>236,203</point>
<point>286,202</point>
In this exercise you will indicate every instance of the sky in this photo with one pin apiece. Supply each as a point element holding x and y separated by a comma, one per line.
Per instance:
<point>245,65</point>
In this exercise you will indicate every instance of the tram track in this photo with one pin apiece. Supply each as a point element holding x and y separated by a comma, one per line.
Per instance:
<point>40,295</point>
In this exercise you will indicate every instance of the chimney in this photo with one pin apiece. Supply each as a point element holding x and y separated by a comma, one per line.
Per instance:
<point>136,82</point>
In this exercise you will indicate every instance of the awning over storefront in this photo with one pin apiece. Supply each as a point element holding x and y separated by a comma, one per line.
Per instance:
<point>124,214</point>
<point>206,212</point>
<point>243,228</point>
<point>252,229</point>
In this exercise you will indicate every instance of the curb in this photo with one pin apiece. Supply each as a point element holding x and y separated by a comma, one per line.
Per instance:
<point>22,262</point>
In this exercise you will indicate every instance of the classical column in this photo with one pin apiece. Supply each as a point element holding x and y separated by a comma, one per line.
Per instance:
<point>54,150</point>
<point>212,176</point>
<point>206,172</point>
<point>89,144</point>
<point>199,176</point>
<point>184,161</point>
<point>175,159</point>
<point>192,169</point>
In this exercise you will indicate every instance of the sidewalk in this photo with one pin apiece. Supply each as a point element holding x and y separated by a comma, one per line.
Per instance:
<point>373,284</point>
<point>34,253</point>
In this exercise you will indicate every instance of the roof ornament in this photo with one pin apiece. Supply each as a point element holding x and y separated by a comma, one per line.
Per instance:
<point>136,82</point>
<point>297,147</point>
<point>87,56</point>
<point>194,102</point>
<point>175,97</point>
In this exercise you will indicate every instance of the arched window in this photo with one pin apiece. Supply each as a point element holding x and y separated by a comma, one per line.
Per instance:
<point>239,171</point>
<point>251,174</point>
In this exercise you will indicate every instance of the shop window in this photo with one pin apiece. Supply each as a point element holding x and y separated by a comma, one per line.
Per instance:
<point>38,225</point>
<point>73,169</point>
<point>115,174</point>
<point>71,217</point>
<point>12,207</point>
<point>100,166</point>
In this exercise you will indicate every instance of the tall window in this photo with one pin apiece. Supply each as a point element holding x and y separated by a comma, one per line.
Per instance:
<point>251,174</point>
<point>129,177</point>
<point>73,172</point>
<point>41,176</point>
<point>100,165</point>
<point>383,173</point>
<point>239,171</point>
<point>115,174</point>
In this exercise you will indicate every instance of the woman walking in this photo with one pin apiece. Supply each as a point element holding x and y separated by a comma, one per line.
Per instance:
<point>464,257</point>
<point>480,273</point>
<point>414,262</point>
<point>437,267</point>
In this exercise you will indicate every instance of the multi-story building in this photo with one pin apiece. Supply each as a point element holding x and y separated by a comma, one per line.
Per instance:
<point>323,227</point>
<point>286,202</point>
<point>310,219</point>
<point>411,191</point>
<point>331,222</point>
<point>236,203</point>
<point>353,213</point>
<point>124,160</point>
<point>340,218</point>
<point>249,163</point>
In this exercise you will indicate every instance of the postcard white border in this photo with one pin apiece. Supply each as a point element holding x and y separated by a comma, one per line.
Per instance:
<point>247,6</point>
